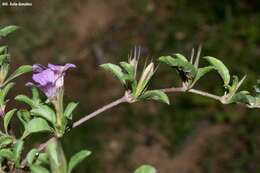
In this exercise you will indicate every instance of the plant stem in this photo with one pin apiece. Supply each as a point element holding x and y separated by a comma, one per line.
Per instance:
<point>194,91</point>
<point>206,94</point>
<point>100,110</point>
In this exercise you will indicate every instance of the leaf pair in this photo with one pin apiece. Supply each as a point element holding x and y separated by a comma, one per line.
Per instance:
<point>189,73</point>
<point>127,75</point>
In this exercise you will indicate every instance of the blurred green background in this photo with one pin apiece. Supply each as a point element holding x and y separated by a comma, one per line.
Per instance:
<point>193,134</point>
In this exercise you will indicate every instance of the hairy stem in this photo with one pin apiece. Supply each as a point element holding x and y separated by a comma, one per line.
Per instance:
<point>100,110</point>
<point>194,91</point>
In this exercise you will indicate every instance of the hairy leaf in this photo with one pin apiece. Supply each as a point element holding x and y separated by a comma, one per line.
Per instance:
<point>155,95</point>
<point>115,70</point>
<point>37,125</point>
<point>8,30</point>
<point>201,72</point>
<point>145,169</point>
<point>5,140</point>
<point>221,68</point>
<point>38,169</point>
<point>45,112</point>
<point>21,70</point>
<point>69,110</point>
<point>7,119</point>
<point>25,99</point>
<point>31,156</point>
<point>77,158</point>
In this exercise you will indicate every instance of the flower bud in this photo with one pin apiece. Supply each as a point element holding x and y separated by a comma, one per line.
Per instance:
<point>145,78</point>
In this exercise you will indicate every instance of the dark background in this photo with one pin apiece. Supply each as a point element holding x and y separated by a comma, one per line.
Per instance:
<point>193,134</point>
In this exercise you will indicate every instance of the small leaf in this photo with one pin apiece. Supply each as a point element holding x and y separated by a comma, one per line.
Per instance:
<point>45,112</point>
<point>128,68</point>
<point>5,140</point>
<point>181,63</point>
<point>25,99</point>
<point>38,169</point>
<point>3,49</point>
<point>24,116</point>
<point>69,109</point>
<point>145,169</point>
<point>243,97</point>
<point>180,56</point>
<point>155,95</point>
<point>201,72</point>
<point>77,158</point>
<point>7,119</point>
<point>4,91</point>
<point>37,125</point>
<point>8,30</point>
<point>221,68</point>
<point>18,147</point>
<point>35,94</point>
<point>21,70</point>
<point>42,159</point>
<point>7,153</point>
<point>115,70</point>
<point>30,157</point>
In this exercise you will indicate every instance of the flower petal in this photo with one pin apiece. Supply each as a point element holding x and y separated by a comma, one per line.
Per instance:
<point>37,68</point>
<point>44,77</point>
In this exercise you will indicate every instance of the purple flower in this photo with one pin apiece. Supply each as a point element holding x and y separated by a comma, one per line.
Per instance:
<point>50,79</point>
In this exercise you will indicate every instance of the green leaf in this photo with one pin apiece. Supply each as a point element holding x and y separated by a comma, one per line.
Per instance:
<point>3,49</point>
<point>18,147</point>
<point>7,119</point>
<point>35,94</point>
<point>221,68</point>
<point>25,99</point>
<point>4,92</point>
<point>155,95</point>
<point>37,125</point>
<point>243,97</point>
<point>8,30</point>
<point>115,70</point>
<point>38,169</point>
<point>5,140</point>
<point>21,70</point>
<point>24,116</point>
<point>201,72</point>
<point>181,57</point>
<point>128,68</point>
<point>31,156</point>
<point>181,63</point>
<point>69,110</point>
<point>45,112</point>
<point>42,159</point>
<point>77,158</point>
<point>145,169</point>
<point>7,153</point>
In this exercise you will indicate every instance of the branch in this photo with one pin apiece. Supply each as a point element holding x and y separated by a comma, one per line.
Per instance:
<point>125,98</point>
<point>194,91</point>
<point>100,110</point>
